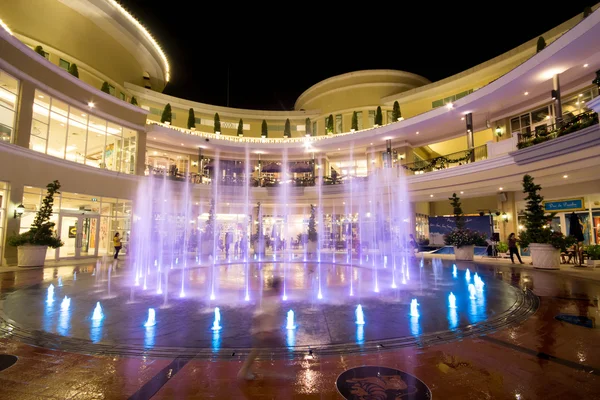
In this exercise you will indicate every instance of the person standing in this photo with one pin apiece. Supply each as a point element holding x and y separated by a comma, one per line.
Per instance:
<point>117,244</point>
<point>512,248</point>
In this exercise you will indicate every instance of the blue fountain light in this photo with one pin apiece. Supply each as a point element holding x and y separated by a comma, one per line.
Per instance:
<point>98,315</point>
<point>471,291</point>
<point>360,316</point>
<point>50,298</point>
<point>290,320</point>
<point>468,275</point>
<point>216,324</point>
<point>454,270</point>
<point>151,321</point>
<point>66,303</point>
<point>452,300</point>
<point>414,312</point>
<point>59,281</point>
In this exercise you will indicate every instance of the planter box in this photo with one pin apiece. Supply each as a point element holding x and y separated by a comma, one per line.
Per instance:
<point>259,247</point>
<point>593,263</point>
<point>544,256</point>
<point>207,247</point>
<point>31,256</point>
<point>311,247</point>
<point>464,253</point>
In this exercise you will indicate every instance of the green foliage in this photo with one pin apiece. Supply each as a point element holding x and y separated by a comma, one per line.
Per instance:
<point>312,225</point>
<point>240,129</point>
<point>541,44</point>
<point>40,50</point>
<point>258,235</point>
<point>307,127</point>
<point>209,227</point>
<point>354,121</point>
<point>329,127</point>
<point>73,70</point>
<point>166,114</point>
<point>217,123</point>
<point>459,217</point>
<point>460,236</point>
<point>287,132</point>
<point>537,224</point>
<point>264,129</point>
<point>502,247</point>
<point>191,123</point>
<point>378,116</point>
<point>396,114</point>
<point>587,11</point>
<point>593,251</point>
<point>105,87</point>
<point>41,232</point>
<point>134,101</point>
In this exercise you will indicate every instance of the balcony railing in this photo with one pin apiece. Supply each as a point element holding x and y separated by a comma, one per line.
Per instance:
<point>447,161</point>
<point>548,132</point>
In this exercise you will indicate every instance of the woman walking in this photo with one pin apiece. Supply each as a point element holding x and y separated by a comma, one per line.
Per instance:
<point>117,244</point>
<point>512,247</point>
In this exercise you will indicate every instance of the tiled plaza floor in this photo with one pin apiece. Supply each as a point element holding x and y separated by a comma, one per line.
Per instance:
<point>541,358</point>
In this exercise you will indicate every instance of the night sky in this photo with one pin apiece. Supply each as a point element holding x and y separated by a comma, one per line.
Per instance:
<point>274,53</point>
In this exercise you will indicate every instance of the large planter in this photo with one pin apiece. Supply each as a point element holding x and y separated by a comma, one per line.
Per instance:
<point>464,253</point>
<point>31,256</point>
<point>311,247</point>
<point>544,256</point>
<point>259,247</point>
<point>207,247</point>
<point>593,263</point>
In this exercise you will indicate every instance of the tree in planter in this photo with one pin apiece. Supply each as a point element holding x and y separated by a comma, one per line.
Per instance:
<point>134,101</point>
<point>105,87</point>
<point>396,114</point>
<point>240,128</point>
<point>537,224</point>
<point>264,130</point>
<point>209,227</point>
<point>287,130</point>
<point>541,44</point>
<point>378,116</point>
<point>40,50</point>
<point>258,238</point>
<point>73,70</point>
<point>166,114</point>
<point>191,123</point>
<point>41,232</point>
<point>313,236</point>
<point>354,121</point>
<point>461,236</point>
<point>330,124</point>
<point>217,124</point>
<point>307,127</point>
<point>587,11</point>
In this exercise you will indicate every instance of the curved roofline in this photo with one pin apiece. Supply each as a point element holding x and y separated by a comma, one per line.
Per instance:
<point>365,72</point>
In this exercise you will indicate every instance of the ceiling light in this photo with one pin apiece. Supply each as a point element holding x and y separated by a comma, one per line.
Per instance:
<point>580,94</point>
<point>526,93</point>
<point>91,104</point>
<point>586,65</point>
<point>461,192</point>
<point>339,149</point>
<point>449,106</point>
<point>462,118</point>
<point>430,195</point>
<point>500,188</point>
<point>182,144</point>
<point>417,132</point>
<point>83,115</point>
<point>565,176</point>
<point>154,138</point>
<point>40,96</point>
<point>371,144</point>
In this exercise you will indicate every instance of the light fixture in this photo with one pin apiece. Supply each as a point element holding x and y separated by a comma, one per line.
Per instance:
<point>586,65</point>
<point>417,132</point>
<point>504,217</point>
<point>580,94</point>
<point>40,96</point>
<point>461,192</point>
<point>462,118</point>
<point>565,176</point>
<point>19,211</point>
<point>500,188</point>
<point>498,131</point>
<point>449,106</point>
<point>182,144</point>
<point>554,94</point>
<point>526,93</point>
<point>91,104</point>
<point>430,195</point>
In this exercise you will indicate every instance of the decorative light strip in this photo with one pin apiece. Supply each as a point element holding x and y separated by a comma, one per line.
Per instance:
<point>5,27</point>
<point>241,139</point>
<point>148,36</point>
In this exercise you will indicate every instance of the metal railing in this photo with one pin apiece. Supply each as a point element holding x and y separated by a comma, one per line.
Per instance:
<point>543,133</point>
<point>446,161</point>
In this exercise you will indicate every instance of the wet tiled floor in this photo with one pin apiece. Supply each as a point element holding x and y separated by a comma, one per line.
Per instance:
<point>540,358</point>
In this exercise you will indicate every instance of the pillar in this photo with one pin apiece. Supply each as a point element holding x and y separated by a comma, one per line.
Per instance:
<point>470,139</point>
<point>509,207</point>
<point>24,114</point>
<point>557,102</point>
<point>140,156</point>
<point>15,197</point>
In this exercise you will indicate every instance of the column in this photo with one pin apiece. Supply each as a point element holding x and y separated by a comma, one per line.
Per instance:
<point>557,102</point>
<point>508,207</point>
<point>140,156</point>
<point>470,139</point>
<point>15,197</point>
<point>24,114</point>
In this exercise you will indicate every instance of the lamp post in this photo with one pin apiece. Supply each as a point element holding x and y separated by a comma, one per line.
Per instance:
<point>19,211</point>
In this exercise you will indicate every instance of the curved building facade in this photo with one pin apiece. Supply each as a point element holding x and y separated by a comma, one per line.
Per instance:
<point>475,133</point>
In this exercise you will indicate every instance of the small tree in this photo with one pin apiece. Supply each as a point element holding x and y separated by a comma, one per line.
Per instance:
<point>587,11</point>
<point>134,101</point>
<point>73,70</point>
<point>259,235</point>
<point>166,114</point>
<point>462,236</point>
<point>105,87</point>
<point>459,217</point>
<point>217,123</point>
<point>40,50</point>
<point>330,124</point>
<point>378,116</point>
<point>191,123</point>
<point>240,130</point>
<point>41,232</point>
<point>307,127</point>
<point>541,43</point>
<point>287,132</point>
<point>396,114</point>
<point>354,121</point>
<point>264,130</point>
<point>312,225</point>
<point>209,228</point>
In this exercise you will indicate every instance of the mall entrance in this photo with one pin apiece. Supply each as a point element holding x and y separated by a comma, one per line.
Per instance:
<point>80,235</point>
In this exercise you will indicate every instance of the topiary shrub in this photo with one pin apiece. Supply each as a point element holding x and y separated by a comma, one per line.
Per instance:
<point>191,122</point>
<point>240,129</point>
<point>287,132</point>
<point>307,127</point>
<point>396,114</point>
<point>134,101</point>
<point>217,124</point>
<point>354,125</point>
<point>541,44</point>
<point>74,71</point>
<point>264,130</point>
<point>40,50</point>
<point>166,114</point>
<point>105,87</point>
<point>330,124</point>
<point>378,116</point>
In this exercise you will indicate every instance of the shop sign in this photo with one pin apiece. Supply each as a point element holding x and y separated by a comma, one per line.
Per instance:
<point>564,205</point>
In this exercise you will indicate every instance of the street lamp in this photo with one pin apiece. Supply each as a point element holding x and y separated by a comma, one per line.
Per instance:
<point>19,211</point>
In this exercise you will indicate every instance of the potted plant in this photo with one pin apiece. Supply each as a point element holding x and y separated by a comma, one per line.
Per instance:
<point>33,244</point>
<point>307,127</point>
<point>464,240</point>
<point>287,131</point>
<point>354,122</point>
<point>258,238</point>
<point>240,128</point>
<point>544,243</point>
<point>396,114</point>
<point>208,236</point>
<point>166,116</point>
<point>217,124</point>
<point>313,237</point>
<point>264,130</point>
<point>329,125</point>
<point>593,252</point>
<point>502,248</point>
<point>378,117</point>
<point>191,123</point>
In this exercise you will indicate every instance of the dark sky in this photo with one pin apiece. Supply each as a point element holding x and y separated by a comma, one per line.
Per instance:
<point>275,52</point>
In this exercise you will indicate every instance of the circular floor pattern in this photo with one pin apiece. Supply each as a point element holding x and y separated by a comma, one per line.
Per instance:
<point>322,326</point>
<point>382,383</point>
<point>7,361</point>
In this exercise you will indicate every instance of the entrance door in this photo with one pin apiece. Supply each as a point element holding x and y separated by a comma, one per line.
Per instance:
<point>80,235</point>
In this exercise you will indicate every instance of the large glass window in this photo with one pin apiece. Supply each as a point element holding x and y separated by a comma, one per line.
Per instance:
<point>576,104</point>
<point>338,123</point>
<point>371,118</point>
<point>9,92</point>
<point>359,117</point>
<point>70,133</point>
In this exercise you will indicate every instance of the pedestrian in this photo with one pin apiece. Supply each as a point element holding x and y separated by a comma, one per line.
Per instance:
<point>117,244</point>
<point>265,327</point>
<point>512,247</point>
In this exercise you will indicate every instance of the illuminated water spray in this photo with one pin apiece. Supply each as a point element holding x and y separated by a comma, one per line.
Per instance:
<point>471,291</point>
<point>468,275</point>
<point>50,298</point>
<point>414,312</point>
<point>216,324</point>
<point>454,270</point>
<point>290,320</point>
<point>151,321</point>
<point>452,300</point>
<point>98,315</point>
<point>360,316</point>
<point>66,303</point>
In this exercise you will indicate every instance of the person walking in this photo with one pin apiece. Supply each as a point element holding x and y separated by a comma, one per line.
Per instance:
<point>117,244</point>
<point>265,327</point>
<point>512,248</point>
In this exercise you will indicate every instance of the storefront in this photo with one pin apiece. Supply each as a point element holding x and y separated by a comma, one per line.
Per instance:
<point>86,224</point>
<point>3,202</point>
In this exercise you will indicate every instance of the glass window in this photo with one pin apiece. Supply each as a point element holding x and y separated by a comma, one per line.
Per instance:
<point>359,117</point>
<point>129,151</point>
<point>314,128</point>
<point>95,142</point>
<point>57,134</point>
<point>64,64</point>
<point>371,118</point>
<point>122,96</point>
<point>338,123</point>
<point>3,200</point>
<point>389,117</point>
<point>77,136</point>
<point>540,115</point>
<point>111,90</point>
<point>9,91</point>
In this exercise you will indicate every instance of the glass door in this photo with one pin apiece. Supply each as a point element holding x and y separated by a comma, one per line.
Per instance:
<point>79,233</point>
